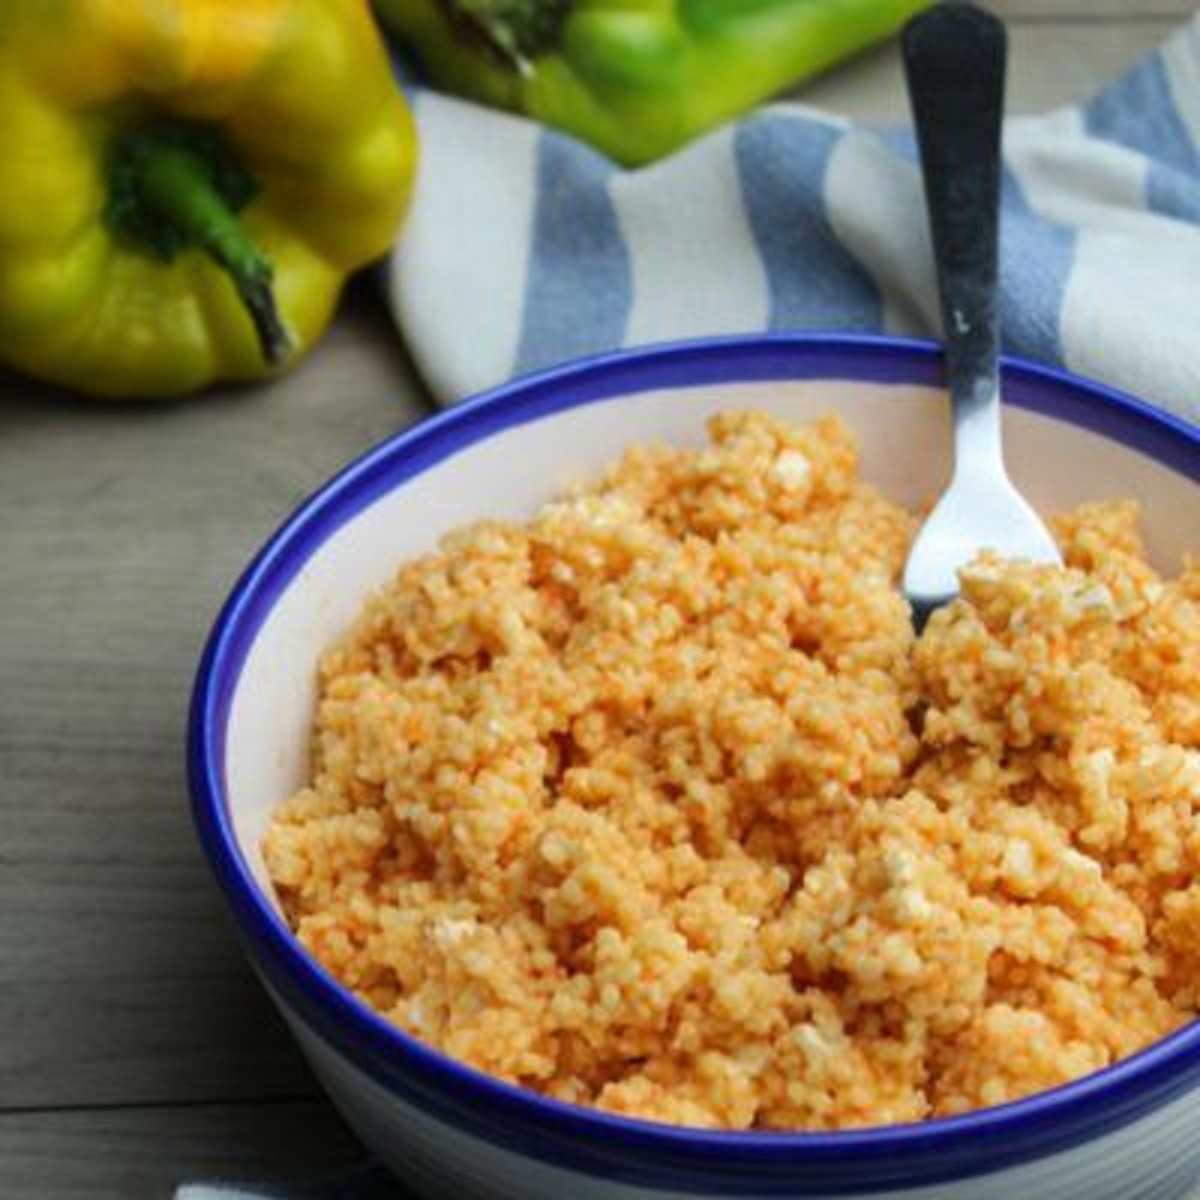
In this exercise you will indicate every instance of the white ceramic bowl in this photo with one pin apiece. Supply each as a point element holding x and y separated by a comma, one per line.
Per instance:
<point>1126,1133</point>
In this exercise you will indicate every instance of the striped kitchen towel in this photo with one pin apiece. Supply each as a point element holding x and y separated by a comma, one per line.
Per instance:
<point>366,1182</point>
<point>369,1184</point>
<point>525,248</point>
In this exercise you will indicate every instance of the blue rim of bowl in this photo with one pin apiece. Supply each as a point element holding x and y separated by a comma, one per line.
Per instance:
<point>657,1155</point>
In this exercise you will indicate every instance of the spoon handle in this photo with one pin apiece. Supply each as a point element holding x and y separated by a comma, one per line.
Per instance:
<point>954,62</point>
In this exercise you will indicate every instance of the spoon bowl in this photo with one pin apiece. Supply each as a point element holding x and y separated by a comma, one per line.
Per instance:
<point>976,510</point>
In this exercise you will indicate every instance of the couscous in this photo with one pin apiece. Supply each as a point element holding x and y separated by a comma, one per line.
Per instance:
<point>655,803</point>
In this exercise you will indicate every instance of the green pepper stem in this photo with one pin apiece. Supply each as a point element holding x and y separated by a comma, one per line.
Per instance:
<point>514,32</point>
<point>176,184</point>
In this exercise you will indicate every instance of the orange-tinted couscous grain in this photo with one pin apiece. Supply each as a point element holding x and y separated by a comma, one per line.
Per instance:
<point>654,803</point>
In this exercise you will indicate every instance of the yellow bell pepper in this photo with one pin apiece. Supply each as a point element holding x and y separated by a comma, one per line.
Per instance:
<point>187,183</point>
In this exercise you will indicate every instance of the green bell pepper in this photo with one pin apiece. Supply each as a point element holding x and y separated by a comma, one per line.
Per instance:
<point>635,78</point>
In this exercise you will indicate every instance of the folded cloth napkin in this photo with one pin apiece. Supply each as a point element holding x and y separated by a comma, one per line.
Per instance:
<point>366,1182</point>
<point>525,248</point>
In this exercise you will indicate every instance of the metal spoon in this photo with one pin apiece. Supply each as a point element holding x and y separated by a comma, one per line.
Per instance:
<point>954,60</point>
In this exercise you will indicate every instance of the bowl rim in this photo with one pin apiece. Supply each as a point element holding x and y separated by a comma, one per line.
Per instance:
<point>977,1142</point>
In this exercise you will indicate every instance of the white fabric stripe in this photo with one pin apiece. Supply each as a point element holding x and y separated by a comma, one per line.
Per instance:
<point>1073,179</point>
<point>458,273</point>
<point>1158,282</point>
<point>695,266</point>
<point>1181,61</point>
<point>876,208</point>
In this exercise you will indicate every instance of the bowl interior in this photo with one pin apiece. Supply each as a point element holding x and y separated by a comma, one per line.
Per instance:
<point>350,546</point>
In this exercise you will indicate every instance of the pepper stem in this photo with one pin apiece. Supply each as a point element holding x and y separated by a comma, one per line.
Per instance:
<point>175,186</point>
<point>513,32</point>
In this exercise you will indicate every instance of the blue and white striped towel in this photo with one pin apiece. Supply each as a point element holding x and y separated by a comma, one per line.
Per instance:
<point>365,1182</point>
<point>525,248</point>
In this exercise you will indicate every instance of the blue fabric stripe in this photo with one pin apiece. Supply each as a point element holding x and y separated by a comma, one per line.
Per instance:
<point>1138,112</point>
<point>1035,263</point>
<point>814,283</point>
<point>579,288</point>
<point>1173,193</point>
<point>900,141</point>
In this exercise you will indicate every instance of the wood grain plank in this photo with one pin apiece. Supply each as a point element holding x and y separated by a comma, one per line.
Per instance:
<point>143,1153</point>
<point>120,980</point>
<point>1050,64</point>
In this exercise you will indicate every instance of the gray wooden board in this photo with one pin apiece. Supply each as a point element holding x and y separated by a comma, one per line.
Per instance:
<point>135,1046</point>
<point>119,980</point>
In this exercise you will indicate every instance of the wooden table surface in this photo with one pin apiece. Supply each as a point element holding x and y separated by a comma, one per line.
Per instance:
<point>135,1048</point>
